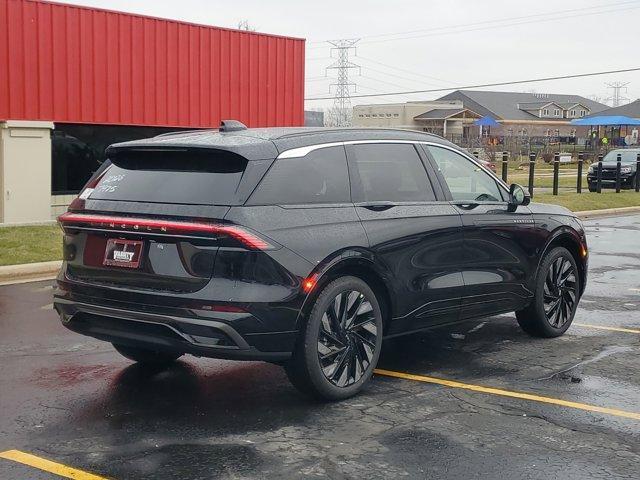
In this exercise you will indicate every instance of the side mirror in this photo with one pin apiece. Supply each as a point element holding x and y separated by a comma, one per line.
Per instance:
<point>518,195</point>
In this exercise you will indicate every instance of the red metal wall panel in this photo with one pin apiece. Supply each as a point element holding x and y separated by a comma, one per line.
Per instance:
<point>82,65</point>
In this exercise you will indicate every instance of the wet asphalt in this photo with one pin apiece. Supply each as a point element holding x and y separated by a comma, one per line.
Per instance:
<point>74,400</point>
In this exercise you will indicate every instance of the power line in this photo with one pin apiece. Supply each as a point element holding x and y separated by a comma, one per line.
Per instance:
<point>495,23</point>
<point>484,85</point>
<point>381,81</point>
<point>500,24</point>
<point>634,2</point>
<point>402,69</point>
<point>480,28</point>
<point>508,19</point>
<point>401,77</point>
<point>367,87</point>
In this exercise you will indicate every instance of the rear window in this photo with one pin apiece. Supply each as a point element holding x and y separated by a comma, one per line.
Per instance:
<point>209,177</point>
<point>321,176</point>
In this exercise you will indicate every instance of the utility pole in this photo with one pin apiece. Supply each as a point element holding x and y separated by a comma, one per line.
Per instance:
<point>595,98</point>
<point>342,100</point>
<point>617,99</point>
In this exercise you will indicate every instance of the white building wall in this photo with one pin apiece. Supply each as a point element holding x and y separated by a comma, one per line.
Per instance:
<point>59,204</point>
<point>25,171</point>
<point>397,115</point>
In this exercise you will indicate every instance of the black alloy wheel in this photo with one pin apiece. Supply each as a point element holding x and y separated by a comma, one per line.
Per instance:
<point>347,338</point>
<point>556,296</point>
<point>340,341</point>
<point>560,292</point>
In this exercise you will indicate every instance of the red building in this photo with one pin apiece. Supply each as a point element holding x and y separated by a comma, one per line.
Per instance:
<point>102,76</point>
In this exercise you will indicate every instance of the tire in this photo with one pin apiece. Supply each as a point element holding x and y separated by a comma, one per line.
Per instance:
<point>145,356</point>
<point>349,341</point>
<point>556,296</point>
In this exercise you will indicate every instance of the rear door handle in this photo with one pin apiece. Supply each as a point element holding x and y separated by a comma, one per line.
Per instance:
<point>377,206</point>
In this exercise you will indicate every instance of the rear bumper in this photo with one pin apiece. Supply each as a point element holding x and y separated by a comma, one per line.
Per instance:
<point>204,337</point>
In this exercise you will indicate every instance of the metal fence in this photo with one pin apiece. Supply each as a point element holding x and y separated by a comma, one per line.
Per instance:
<point>543,146</point>
<point>572,179</point>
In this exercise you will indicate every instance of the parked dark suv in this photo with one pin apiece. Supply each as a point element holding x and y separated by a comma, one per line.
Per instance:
<point>609,166</point>
<point>306,247</point>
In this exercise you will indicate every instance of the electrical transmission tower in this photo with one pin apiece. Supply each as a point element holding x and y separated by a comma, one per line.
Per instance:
<point>616,98</point>
<point>342,100</point>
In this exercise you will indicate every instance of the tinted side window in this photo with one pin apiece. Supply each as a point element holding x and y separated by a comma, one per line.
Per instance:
<point>466,180</point>
<point>389,173</point>
<point>319,177</point>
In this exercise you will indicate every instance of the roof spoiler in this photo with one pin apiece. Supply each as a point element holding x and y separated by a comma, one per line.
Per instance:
<point>231,126</point>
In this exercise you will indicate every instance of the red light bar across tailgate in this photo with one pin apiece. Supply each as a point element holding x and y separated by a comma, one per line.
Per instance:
<point>133,224</point>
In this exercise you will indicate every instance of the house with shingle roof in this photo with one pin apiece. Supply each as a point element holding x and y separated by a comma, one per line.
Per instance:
<point>531,114</point>
<point>631,110</point>
<point>453,115</point>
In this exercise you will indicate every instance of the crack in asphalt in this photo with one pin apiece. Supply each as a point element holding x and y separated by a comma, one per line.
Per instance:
<point>607,351</point>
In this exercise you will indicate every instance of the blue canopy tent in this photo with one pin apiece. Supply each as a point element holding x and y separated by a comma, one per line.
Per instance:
<point>606,121</point>
<point>485,122</point>
<point>611,121</point>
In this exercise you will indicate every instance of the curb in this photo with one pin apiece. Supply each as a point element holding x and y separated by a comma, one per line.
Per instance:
<point>607,212</point>
<point>29,272</point>
<point>29,224</point>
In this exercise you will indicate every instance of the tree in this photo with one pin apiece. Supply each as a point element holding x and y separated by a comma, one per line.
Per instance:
<point>336,117</point>
<point>244,25</point>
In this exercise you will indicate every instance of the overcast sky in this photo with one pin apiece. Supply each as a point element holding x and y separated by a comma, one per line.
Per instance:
<point>446,43</point>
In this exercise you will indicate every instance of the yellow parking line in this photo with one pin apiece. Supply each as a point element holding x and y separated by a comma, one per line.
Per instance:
<point>509,393</point>
<point>48,466</point>
<point>612,329</point>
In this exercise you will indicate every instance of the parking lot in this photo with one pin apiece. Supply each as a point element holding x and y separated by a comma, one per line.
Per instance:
<point>476,400</point>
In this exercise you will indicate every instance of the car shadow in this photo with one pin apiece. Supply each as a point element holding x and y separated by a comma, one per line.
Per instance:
<point>198,399</point>
<point>235,398</point>
<point>476,349</point>
<point>241,396</point>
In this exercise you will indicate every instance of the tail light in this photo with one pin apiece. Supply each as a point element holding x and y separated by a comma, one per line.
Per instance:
<point>146,225</point>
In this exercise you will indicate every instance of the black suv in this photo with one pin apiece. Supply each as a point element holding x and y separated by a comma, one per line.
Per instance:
<point>628,172</point>
<point>306,247</point>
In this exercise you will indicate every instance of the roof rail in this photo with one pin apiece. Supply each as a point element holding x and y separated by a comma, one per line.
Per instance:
<point>231,126</point>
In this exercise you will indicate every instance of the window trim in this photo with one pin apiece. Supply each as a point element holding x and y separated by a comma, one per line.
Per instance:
<point>302,151</point>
